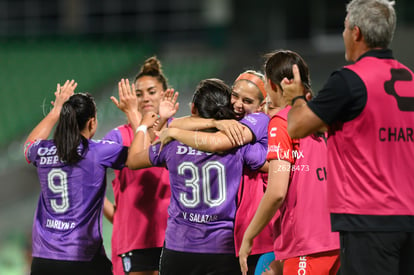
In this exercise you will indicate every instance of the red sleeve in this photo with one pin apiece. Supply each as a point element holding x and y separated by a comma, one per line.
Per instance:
<point>280,145</point>
<point>27,144</point>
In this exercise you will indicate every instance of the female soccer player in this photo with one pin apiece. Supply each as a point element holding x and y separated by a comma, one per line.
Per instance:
<point>67,228</point>
<point>141,196</point>
<point>204,186</point>
<point>248,99</point>
<point>296,187</point>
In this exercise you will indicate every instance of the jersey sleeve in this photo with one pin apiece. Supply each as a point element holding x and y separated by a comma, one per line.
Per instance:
<point>254,155</point>
<point>114,135</point>
<point>112,154</point>
<point>156,156</point>
<point>30,151</point>
<point>257,123</point>
<point>280,144</point>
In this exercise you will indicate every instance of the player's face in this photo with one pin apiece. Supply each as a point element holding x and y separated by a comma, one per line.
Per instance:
<point>149,92</point>
<point>245,98</point>
<point>272,94</point>
<point>269,108</point>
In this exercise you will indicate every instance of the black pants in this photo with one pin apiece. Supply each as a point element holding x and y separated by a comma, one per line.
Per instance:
<point>141,260</point>
<point>379,253</point>
<point>183,263</point>
<point>100,265</point>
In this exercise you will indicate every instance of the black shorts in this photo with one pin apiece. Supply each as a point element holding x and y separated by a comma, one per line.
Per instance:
<point>179,263</point>
<point>141,259</point>
<point>252,260</point>
<point>377,253</point>
<point>100,265</point>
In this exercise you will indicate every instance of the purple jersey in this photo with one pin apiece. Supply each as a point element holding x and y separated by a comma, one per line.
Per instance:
<point>114,135</point>
<point>204,188</point>
<point>257,123</point>
<point>68,219</point>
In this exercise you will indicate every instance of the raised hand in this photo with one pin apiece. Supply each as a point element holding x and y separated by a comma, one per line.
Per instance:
<point>292,87</point>
<point>168,105</point>
<point>127,98</point>
<point>45,126</point>
<point>63,93</point>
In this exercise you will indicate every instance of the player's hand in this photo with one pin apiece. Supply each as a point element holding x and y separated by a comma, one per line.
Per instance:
<point>168,105</point>
<point>233,130</point>
<point>63,93</point>
<point>128,101</point>
<point>165,136</point>
<point>244,252</point>
<point>292,87</point>
<point>150,119</point>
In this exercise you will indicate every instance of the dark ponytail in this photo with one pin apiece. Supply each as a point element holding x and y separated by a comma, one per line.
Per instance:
<point>73,119</point>
<point>212,99</point>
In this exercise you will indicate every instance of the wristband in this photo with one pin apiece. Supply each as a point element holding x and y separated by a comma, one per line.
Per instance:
<point>297,97</point>
<point>142,128</point>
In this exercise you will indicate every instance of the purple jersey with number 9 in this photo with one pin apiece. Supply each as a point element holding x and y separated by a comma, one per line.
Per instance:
<point>68,219</point>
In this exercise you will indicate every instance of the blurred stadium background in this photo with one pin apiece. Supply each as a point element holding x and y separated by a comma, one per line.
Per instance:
<point>44,42</point>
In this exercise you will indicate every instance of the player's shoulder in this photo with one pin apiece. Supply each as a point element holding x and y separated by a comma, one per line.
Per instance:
<point>117,133</point>
<point>40,143</point>
<point>255,118</point>
<point>101,142</point>
<point>278,121</point>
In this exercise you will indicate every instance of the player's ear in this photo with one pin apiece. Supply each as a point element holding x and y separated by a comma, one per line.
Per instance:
<point>194,111</point>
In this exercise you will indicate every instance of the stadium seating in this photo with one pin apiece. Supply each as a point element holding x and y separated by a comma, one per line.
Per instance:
<point>32,68</point>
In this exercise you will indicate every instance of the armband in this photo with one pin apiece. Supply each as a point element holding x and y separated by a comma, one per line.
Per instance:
<point>142,128</point>
<point>297,97</point>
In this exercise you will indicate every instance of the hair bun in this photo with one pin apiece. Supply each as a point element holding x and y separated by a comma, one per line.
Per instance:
<point>151,66</point>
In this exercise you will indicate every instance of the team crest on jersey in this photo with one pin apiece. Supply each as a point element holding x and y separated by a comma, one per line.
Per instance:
<point>273,131</point>
<point>126,262</point>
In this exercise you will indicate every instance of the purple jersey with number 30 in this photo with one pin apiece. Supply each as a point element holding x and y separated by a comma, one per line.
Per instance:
<point>68,219</point>
<point>204,188</point>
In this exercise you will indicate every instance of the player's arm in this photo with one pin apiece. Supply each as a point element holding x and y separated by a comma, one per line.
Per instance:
<point>204,141</point>
<point>302,121</point>
<point>109,210</point>
<point>231,133</point>
<point>138,155</point>
<point>232,128</point>
<point>192,123</point>
<point>45,126</point>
